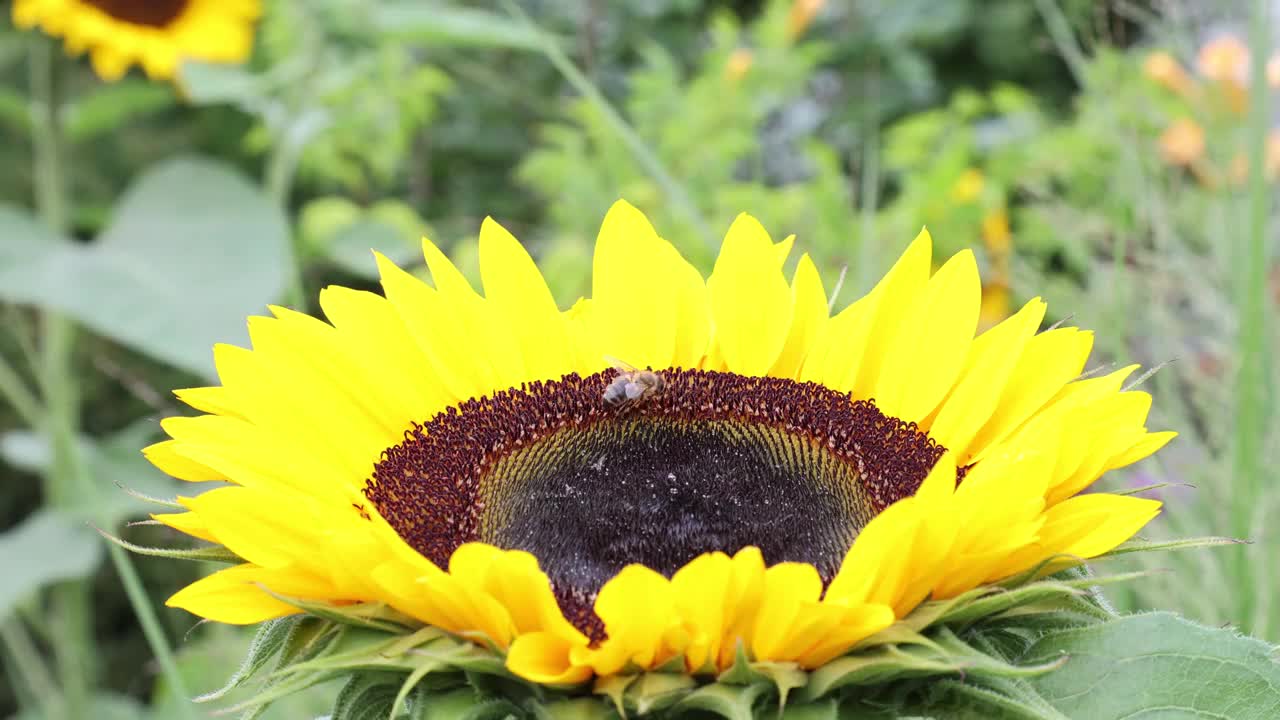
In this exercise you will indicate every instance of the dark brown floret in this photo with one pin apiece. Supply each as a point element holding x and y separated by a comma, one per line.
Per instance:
<point>716,461</point>
<point>152,13</point>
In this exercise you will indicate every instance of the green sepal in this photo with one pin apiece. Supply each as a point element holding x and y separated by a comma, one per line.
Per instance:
<point>367,696</point>
<point>151,499</point>
<point>731,702</point>
<point>1133,546</point>
<point>989,652</point>
<point>267,643</point>
<point>739,673</point>
<point>656,691</point>
<point>212,553</point>
<point>372,616</point>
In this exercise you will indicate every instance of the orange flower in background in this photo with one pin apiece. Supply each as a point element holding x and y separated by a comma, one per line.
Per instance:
<point>801,16</point>
<point>1182,144</point>
<point>995,292</point>
<point>1224,59</point>
<point>995,231</point>
<point>968,186</point>
<point>1161,67</point>
<point>996,301</point>
<point>1270,161</point>
<point>739,63</point>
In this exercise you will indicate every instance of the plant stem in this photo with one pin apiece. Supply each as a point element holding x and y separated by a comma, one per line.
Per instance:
<point>867,264</point>
<point>278,182</point>
<point>74,651</point>
<point>35,677</point>
<point>1252,394</point>
<point>68,480</point>
<point>16,392</point>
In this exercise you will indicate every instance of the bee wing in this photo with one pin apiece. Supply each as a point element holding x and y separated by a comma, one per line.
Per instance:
<point>619,365</point>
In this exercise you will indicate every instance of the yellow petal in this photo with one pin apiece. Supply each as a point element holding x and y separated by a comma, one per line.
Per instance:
<point>1149,443</point>
<point>438,327</point>
<point>398,373</point>
<point>522,302</point>
<point>1049,361</point>
<point>636,606</point>
<point>217,400</point>
<point>808,319</point>
<point>789,590</point>
<point>991,360</point>
<point>473,330</point>
<point>634,312</point>
<point>927,353</point>
<point>187,522</point>
<point>750,299</point>
<point>857,624</point>
<point>167,456</point>
<point>230,596</point>
<point>1089,525</point>
<point>894,295</point>
<point>544,657</point>
<point>702,594</point>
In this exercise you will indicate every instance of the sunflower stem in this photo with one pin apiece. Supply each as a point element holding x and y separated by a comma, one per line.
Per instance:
<point>74,650</point>
<point>67,480</point>
<point>33,680</point>
<point>20,397</point>
<point>278,182</point>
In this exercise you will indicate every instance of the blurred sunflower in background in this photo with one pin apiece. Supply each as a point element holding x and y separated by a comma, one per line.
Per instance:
<point>754,481</point>
<point>156,34</point>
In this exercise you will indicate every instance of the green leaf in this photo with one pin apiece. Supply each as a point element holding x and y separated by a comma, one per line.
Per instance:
<point>192,249</point>
<point>825,710</point>
<point>462,704</point>
<point>109,106</point>
<point>46,547</point>
<point>574,709</point>
<point>439,24</point>
<point>366,696</point>
<point>351,248</point>
<point>214,83</point>
<point>103,706</point>
<point>1158,665</point>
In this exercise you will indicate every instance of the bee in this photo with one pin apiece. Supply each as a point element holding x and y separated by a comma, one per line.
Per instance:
<point>631,385</point>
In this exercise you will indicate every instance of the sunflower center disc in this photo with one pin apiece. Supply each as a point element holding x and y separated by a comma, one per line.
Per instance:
<point>154,13</point>
<point>715,462</point>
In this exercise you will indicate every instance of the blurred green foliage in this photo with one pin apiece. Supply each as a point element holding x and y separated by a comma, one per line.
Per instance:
<point>364,125</point>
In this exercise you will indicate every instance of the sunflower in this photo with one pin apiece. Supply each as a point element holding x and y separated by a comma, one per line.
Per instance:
<point>157,34</point>
<point>752,477</point>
